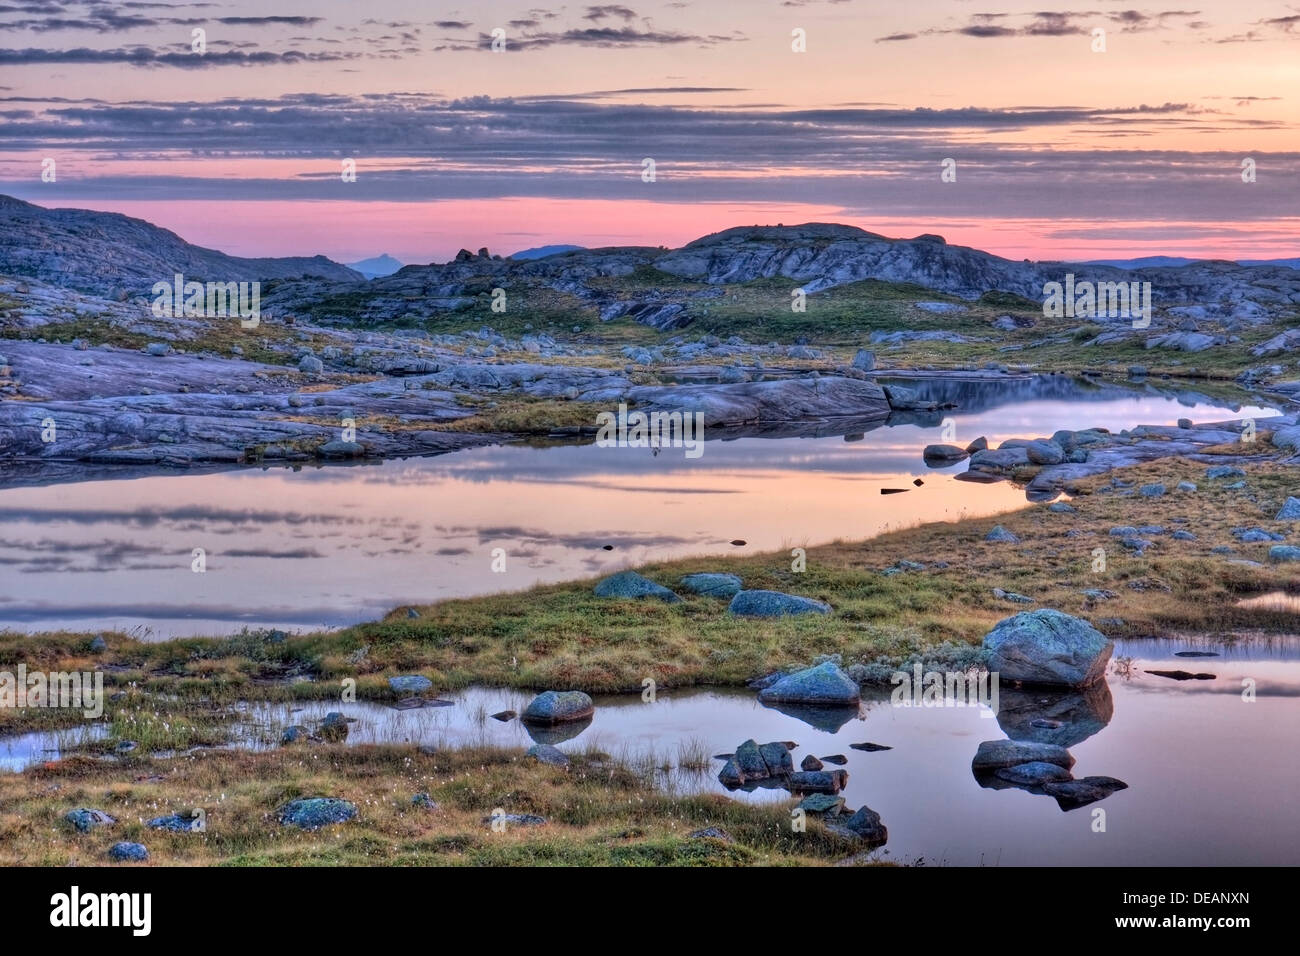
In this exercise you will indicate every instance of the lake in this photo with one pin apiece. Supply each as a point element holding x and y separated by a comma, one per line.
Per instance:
<point>331,546</point>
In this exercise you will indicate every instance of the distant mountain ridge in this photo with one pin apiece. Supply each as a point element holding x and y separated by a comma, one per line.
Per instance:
<point>375,266</point>
<point>108,253</point>
<point>116,256</point>
<point>1147,262</point>
<point>811,257</point>
<point>541,252</point>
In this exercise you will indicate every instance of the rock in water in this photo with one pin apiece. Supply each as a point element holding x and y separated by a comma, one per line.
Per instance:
<point>810,763</point>
<point>994,755</point>
<point>822,685</point>
<point>753,761</point>
<point>1034,774</point>
<point>293,734</point>
<point>1072,794</point>
<point>713,585</point>
<point>821,803</point>
<point>558,707</point>
<point>629,584</point>
<point>774,604</point>
<point>818,781</point>
<point>334,726</point>
<point>944,454</point>
<point>1047,647</point>
<point>316,812</point>
<point>866,825</point>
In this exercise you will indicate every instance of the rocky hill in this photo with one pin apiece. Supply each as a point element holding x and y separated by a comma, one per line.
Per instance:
<point>665,288</point>
<point>111,254</point>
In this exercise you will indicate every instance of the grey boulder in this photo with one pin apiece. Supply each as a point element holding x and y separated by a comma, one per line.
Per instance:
<point>1047,647</point>
<point>557,707</point>
<point>629,584</point>
<point>823,685</point>
<point>774,604</point>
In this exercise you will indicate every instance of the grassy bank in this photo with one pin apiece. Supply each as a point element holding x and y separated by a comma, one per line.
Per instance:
<point>599,812</point>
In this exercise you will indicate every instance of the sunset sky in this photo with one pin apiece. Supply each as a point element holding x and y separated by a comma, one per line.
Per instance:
<point>1061,152</point>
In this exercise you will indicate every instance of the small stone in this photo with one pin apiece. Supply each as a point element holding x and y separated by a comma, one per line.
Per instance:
<point>1001,534</point>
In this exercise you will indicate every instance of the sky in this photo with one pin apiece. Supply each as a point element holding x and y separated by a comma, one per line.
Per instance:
<point>1098,130</point>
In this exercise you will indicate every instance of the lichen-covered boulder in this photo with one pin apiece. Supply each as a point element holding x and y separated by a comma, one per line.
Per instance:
<point>558,707</point>
<point>128,853</point>
<point>84,819</point>
<point>629,584</point>
<point>1047,647</point>
<point>865,824</point>
<point>316,812</point>
<point>1290,510</point>
<point>774,604</point>
<point>713,585</point>
<point>818,781</point>
<point>175,823</point>
<point>824,685</point>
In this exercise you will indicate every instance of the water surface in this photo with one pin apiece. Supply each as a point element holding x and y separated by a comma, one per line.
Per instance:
<point>327,547</point>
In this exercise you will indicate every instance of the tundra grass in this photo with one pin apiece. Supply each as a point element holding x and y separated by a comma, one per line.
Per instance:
<point>599,812</point>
